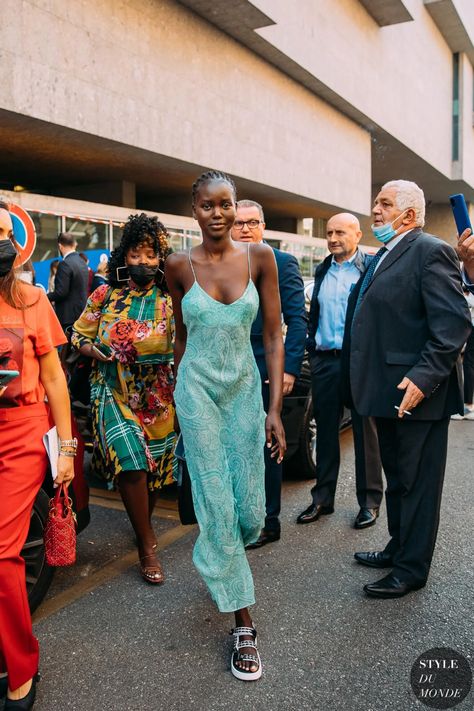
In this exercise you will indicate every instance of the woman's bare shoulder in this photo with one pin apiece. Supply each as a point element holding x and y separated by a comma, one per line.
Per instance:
<point>261,248</point>
<point>262,253</point>
<point>176,260</point>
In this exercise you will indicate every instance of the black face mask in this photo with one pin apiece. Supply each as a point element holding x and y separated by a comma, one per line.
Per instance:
<point>141,274</point>
<point>8,254</point>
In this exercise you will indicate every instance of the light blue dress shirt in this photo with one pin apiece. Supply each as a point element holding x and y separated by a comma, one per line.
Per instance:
<point>333,296</point>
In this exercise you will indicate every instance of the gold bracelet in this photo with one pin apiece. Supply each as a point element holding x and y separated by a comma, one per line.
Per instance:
<point>66,454</point>
<point>68,443</point>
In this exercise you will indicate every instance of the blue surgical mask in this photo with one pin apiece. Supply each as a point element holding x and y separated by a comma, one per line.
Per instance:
<point>386,232</point>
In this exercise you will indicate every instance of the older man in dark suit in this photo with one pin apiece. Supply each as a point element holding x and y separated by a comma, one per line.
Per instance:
<point>407,322</point>
<point>71,282</point>
<point>249,226</point>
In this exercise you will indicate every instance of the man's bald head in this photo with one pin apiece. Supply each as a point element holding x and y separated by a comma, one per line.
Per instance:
<point>345,218</point>
<point>343,234</point>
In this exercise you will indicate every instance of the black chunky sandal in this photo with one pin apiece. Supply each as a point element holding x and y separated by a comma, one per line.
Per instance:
<point>237,655</point>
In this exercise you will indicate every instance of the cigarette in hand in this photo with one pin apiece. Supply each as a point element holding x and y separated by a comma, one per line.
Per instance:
<point>405,412</point>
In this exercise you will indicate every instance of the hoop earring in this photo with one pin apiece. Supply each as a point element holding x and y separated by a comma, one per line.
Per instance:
<point>117,274</point>
<point>160,276</point>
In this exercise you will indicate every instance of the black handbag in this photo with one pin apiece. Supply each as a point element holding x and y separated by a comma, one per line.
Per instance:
<point>79,384</point>
<point>186,512</point>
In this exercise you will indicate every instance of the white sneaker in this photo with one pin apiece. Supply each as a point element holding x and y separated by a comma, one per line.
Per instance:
<point>457,416</point>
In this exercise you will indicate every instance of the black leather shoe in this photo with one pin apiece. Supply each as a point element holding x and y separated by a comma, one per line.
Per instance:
<point>374,559</point>
<point>264,538</point>
<point>26,703</point>
<point>3,686</point>
<point>313,512</point>
<point>366,517</point>
<point>389,587</point>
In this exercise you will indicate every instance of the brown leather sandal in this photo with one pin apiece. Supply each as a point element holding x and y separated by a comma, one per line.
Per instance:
<point>151,573</point>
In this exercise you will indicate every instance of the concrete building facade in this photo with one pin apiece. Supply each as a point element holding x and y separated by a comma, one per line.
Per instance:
<point>310,105</point>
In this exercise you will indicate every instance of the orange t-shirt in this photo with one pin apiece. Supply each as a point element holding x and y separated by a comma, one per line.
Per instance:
<point>26,334</point>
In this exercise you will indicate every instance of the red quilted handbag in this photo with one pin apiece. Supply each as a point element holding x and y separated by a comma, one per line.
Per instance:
<point>60,530</point>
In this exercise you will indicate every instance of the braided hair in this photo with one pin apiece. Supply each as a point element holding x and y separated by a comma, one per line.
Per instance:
<point>138,230</point>
<point>212,175</point>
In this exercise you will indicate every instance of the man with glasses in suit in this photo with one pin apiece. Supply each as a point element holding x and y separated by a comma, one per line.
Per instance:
<point>249,226</point>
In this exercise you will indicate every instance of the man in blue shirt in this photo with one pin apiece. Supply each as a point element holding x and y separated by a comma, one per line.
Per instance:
<point>333,282</point>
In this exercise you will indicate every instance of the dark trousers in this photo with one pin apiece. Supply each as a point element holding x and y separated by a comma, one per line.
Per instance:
<point>414,460</point>
<point>328,409</point>
<point>468,369</point>
<point>273,477</point>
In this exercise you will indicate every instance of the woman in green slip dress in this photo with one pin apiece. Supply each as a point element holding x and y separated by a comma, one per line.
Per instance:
<point>127,327</point>
<point>216,289</point>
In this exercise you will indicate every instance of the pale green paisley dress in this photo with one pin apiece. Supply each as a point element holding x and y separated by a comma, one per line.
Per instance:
<point>219,406</point>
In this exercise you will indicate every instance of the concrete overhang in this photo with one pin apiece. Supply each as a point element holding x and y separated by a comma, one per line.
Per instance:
<point>390,158</point>
<point>242,20</point>
<point>455,29</point>
<point>44,156</point>
<point>387,12</point>
<point>231,17</point>
<point>48,158</point>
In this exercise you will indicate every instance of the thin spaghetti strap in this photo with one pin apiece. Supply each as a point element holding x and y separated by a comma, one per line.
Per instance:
<point>248,259</point>
<point>191,265</point>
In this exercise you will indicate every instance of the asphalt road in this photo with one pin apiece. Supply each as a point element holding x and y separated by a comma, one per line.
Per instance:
<point>111,642</point>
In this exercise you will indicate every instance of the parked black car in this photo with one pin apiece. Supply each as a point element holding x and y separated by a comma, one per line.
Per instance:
<point>298,420</point>
<point>300,428</point>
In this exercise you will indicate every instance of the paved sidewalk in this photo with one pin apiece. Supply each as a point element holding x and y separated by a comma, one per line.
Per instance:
<point>128,646</point>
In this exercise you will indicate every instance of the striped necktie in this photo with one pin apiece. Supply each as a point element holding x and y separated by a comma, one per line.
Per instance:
<point>368,276</point>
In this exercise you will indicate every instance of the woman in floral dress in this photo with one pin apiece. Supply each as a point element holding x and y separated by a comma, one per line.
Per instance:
<point>127,327</point>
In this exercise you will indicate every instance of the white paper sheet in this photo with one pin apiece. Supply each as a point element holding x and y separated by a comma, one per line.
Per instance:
<point>51,444</point>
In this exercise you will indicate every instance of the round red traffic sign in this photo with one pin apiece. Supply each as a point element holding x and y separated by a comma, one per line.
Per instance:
<point>24,232</point>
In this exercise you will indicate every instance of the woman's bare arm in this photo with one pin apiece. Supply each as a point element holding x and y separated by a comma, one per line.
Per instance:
<point>54,382</point>
<point>174,266</point>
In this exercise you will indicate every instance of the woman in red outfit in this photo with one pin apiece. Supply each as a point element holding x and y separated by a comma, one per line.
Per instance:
<point>29,334</point>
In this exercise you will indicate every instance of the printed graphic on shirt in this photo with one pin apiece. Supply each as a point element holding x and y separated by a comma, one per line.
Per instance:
<point>11,358</point>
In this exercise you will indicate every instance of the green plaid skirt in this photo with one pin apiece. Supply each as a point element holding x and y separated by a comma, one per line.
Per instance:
<point>122,443</point>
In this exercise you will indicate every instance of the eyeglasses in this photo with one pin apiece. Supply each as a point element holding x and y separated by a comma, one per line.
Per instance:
<point>251,224</point>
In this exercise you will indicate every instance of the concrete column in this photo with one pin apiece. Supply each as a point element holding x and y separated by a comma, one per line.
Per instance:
<point>281,224</point>
<point>121,193</point>
<point>171,204</point>
<point>440,222</point>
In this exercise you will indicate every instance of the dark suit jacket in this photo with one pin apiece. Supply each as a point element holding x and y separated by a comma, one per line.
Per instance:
<point>70,289</point>
<point>362,261</point>
<point>294,315</point>
<point>413,321</point>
